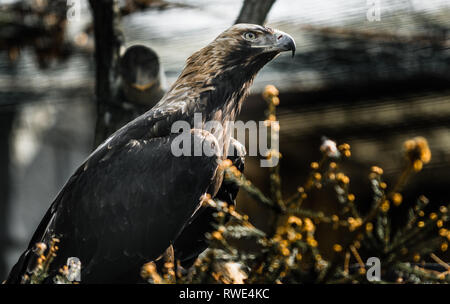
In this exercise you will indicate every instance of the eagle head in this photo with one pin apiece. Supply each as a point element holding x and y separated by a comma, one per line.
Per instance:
<point>241,49</point>
<point>220,74</point>
<point>251,41</point>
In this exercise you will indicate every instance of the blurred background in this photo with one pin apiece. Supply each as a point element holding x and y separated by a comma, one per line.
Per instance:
<point>368,73</point>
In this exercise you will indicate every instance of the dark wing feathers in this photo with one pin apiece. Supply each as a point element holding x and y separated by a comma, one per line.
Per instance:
<point>192,240</point>
<point>110,226</point>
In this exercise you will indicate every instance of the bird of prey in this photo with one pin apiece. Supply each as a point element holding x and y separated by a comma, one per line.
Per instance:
<point>132,198</point>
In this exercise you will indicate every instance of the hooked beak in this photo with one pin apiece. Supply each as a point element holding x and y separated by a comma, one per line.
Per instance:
<point>284,42</point>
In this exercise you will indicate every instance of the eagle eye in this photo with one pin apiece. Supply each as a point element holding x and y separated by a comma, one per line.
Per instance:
<point>250,36</point>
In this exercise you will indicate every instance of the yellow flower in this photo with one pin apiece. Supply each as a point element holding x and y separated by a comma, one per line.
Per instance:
<point>354,223</point>
<point>417,152</point>
<point>397,199</point>
<point>270,91</point>
<point>308,225</point>
<point>351,197</point>
<point>385,206</point>
<point>285,251</point>
<point>421,224</point>
<point>433,216</point>
<point>149,271</point>
<point>312,242</point>
<point>409,145</point>
<point>226,163</point>
<point>417,165</point>
<point>344,147</point>
<point>217,235</point>
<point>294,221</point>
<point>425,153</point>
<point>444,246</point>
<point>276,101</point>
<point>416,258</point>
<point>40,248</point>
<point>314,165</point>
<point>369,227</point>
<point>284,243</point>
<point>293,236</point>
<point>337,247</point>
<point>377,170</point>
<point>341,177</point>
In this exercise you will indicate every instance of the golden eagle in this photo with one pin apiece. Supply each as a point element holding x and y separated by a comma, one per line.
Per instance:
<point>132,198</point>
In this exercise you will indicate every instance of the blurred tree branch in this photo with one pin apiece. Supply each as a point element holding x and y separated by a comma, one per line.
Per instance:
<point>107,46</point>
<point>254,11</point>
